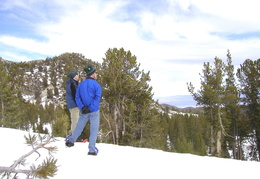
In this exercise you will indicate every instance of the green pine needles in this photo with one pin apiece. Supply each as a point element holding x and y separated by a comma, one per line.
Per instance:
<point>46,169</point>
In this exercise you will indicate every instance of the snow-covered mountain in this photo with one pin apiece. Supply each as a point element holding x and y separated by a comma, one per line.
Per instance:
<point>117,162</point>
<point>181,101</point>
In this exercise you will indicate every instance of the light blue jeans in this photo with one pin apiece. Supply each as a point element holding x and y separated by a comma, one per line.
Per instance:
<point>94,118</point>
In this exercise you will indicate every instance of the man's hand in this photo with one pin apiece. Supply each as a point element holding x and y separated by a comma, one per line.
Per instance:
<point>85,110</point>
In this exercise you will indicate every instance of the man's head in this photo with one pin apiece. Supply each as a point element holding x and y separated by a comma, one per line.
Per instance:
<point>73,75</point>
<point>91,72</point>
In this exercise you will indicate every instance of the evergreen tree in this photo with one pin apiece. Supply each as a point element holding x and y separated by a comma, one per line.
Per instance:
<point>9,99</point>
<point>199,145</point>
<point>210,96</point>
<point>127,98</point>
<point>184,146</point>
<point>232,109</point>
<point>249,78</point>
<point>60,126</point>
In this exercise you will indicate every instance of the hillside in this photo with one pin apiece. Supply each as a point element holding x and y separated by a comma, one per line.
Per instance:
<point>125,162</point>
<point>43,81</point>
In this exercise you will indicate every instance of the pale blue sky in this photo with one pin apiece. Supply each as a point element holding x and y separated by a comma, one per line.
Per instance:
<point>171,38</point>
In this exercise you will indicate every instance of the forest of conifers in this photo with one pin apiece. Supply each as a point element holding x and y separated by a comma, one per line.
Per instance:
<point>32,95</point>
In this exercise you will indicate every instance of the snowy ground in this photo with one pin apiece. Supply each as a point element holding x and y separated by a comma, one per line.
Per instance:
<point>118,162</point>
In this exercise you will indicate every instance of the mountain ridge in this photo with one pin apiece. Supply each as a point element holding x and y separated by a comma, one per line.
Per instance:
<point>44,80</point>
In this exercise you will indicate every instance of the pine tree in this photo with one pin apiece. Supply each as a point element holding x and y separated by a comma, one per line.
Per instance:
<point>9,99</point>
<point>232,109</point>
<point>127,97</point>
<point>199,145</point>
<point>184,146</point>
<point>60,126</point>
<point>249,78</point>
<point>4,88</point>
<point>210,96</point>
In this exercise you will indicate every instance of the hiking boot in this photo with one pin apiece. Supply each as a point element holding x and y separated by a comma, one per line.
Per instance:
<point>69,144</point>
<point>92,153</point>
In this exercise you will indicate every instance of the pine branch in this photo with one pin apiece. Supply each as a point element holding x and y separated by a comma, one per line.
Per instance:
<point>48,167</point>
<point>9,170</point>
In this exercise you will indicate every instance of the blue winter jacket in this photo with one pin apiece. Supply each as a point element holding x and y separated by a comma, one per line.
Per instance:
<point>89,94</point>
<point>71,88</point>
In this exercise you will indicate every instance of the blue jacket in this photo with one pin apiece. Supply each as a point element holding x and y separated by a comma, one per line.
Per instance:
<point>89,94</point>
<point>71,88</point>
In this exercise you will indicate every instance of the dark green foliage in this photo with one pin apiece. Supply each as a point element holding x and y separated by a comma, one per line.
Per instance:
<point>184,146</point>
<point>199,145</point>
<point>211,96</point>
<point>127,107</point>
<point>10,97</point>
<point>47,169</point>
<point>219,96</point>
<point>249,77</point>
<point>232,111</point>
<point>60,126</point>
<point>35,79</point>
<point>188,134</point>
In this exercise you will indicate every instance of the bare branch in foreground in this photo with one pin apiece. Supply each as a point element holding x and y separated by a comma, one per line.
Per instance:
<point>48,167</point>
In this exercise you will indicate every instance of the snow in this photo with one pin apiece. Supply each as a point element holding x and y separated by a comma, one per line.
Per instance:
<point>126,162</point>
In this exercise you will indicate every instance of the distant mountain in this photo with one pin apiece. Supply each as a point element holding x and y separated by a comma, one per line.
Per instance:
<point>194,110</point>
<point>180,101</point>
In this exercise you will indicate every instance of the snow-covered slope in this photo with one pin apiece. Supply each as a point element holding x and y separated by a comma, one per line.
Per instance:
<point>122,162</point>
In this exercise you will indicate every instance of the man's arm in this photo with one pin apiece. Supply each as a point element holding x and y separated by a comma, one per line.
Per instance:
<point>78,100</point>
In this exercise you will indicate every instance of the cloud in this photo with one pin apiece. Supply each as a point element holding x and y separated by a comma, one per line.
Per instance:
<point>15,57</point>
<point>171,38</point>
<point>231,9</point>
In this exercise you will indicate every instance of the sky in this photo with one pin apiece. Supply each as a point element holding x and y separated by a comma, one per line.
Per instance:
<point>126,162</point>
<point>170,38</point>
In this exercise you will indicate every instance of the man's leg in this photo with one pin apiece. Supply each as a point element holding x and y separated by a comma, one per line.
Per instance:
<point>74,116</point>
<point>83,119</point>
<point>94,126</point>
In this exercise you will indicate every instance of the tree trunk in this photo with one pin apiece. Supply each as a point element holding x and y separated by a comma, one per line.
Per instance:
<point>116,126</point>
<point>235,144</point>
<point>141,136</point>
<point>219,135</point>
<point>239,149</point>
<point>212,136</point>
<point>212,140</point>
<point>110,127</point>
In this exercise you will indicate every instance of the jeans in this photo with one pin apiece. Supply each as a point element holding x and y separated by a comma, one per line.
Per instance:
<point>94,118</point>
